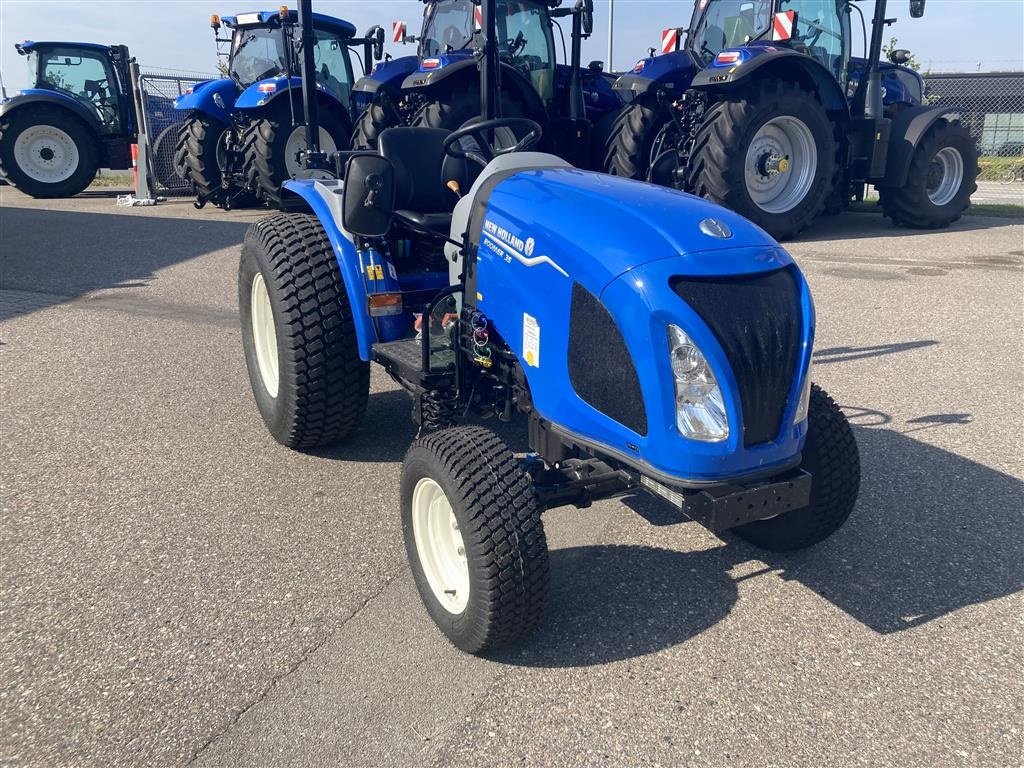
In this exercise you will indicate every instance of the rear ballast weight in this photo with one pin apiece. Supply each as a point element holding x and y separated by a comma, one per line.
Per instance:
<point>647,340</point>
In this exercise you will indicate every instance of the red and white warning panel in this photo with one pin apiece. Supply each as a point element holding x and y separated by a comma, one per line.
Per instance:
<point>478,17</point>
<point>669,40</point>
<point>783,24</point>
<point>398,31</point>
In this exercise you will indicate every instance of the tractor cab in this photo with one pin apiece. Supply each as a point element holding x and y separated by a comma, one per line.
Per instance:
<point>95,76</point>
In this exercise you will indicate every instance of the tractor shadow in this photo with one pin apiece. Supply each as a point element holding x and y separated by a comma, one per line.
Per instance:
<point>868,222</point>
<point>933,532</point>
<point>60,255</point>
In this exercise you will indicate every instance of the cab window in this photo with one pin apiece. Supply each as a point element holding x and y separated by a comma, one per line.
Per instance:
<point>821,31</point>
<point>333,67</point>
<point>85,76</point>
<point>525,40</point>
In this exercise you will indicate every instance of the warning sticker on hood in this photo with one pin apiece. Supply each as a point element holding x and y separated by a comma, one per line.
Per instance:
<point>531,340</point>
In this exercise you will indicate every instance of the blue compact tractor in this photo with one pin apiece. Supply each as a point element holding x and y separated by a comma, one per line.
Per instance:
<point>77,116</point>
<point>764,110</point>
<point>646,340</point>
<point>439,87</point>
<point>244,132</point>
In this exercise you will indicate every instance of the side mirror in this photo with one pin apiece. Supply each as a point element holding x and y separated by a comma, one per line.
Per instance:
<point>378,44</point>
<point>917,8</point>
<point>586,9</point>
<point>368,200</point>
<point>899,56</point>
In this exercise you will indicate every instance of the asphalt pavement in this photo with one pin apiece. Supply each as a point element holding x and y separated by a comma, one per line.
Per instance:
<point>178,589</point>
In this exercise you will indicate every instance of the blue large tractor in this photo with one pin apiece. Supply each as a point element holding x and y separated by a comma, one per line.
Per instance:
<point>77,116</point>
<point>645,340</point>
<point>765,110</point>
<point>439,87</point>
<point>244,132</point>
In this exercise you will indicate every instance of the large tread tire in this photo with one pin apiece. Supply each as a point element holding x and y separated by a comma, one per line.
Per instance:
<point>165,161</point>
<point>719,153</point>
<point>264,146</point>
<point>500,522</point>
<point>628,150</point>
<point>451,113</point>
<point>323,385</point>
<point>200,138</point>
<point>16,122</point>
<point>909,205</point>
<point>831,456</point>
<point>374,120</point>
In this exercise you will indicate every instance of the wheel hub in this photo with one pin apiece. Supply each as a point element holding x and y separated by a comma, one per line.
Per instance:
<point>772,164</point>
<point>781,163</point>
<point>439,546</point>
<point>46,154</point>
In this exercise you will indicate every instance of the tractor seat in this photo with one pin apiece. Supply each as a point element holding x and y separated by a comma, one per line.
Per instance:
<point>422,171</point>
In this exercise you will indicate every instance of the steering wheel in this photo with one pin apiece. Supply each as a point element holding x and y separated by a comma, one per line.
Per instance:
<point>485,151</point>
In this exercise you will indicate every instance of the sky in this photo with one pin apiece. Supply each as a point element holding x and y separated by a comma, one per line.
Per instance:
<point>954,35</point>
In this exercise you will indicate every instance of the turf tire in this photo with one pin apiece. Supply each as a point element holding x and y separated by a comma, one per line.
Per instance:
<point>831,456</point>
<point>323,385</point>
<point>493,501</point>
<point>720,149</point>
<point>13,124</point>
<point>909,205</point>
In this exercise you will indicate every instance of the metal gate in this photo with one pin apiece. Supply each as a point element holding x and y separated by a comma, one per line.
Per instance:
<point>162,123</point>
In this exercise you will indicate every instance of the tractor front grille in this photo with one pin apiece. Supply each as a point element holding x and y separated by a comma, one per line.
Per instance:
<point>757,320</point>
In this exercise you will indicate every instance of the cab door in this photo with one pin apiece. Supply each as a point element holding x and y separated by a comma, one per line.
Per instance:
<point>822,31</point>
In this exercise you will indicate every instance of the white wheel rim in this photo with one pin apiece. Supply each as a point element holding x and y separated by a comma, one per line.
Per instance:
<point>945,176</point>
<point>297,142</point>
<point>263,334</point>
<point>780,164</point>
<point>46,154</point>
<point>439,546</point>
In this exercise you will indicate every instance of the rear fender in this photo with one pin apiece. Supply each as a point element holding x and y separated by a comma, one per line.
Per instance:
<point>671,72</point>
<point>43,96</point>
<point>908,129</point>
<point>781,63</point>
<point>213,97</point>
<point>344,252</point>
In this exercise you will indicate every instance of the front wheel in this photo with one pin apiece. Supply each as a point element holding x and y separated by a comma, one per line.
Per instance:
<point>474,537</point>
<point>635,139</point>
<point>942,177</point>
<point>309,383</point>
<point>380,115</point>
<point>769,153</point>
<point>831,456</point>
<point>272,146</point>
<point>45,151</point>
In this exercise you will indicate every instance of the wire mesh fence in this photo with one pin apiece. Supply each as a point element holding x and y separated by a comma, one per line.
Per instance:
<point>163,125</point>
<point>991,107</point>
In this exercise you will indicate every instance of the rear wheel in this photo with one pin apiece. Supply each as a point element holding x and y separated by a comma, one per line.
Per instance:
<point>374,120</point>
<point>831,456</point>
<point>474,537</point>
<point>768,153</point>
<point>633,136</point>
<point>45,151</point>
<point>308,380</point>
<point>272,147</point>
<point>940,182</point>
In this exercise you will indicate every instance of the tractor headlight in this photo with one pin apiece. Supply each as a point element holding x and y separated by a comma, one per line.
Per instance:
<point>805,399</point>
<point>700,410</point>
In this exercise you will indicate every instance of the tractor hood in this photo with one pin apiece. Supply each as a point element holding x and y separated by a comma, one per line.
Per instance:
<point>594,228</point>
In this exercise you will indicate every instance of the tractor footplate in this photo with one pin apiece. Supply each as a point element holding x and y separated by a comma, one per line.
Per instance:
<point>404,359</point>
<point>733,505</point>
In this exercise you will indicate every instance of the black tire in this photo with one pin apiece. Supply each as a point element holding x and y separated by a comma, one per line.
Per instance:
<point>450,112</point>
<point>165,160</point>
<point>374,120</point>
<point>16,122</point>
<point>265,141</point>
<point>628,150</point>
<point>323,385</point>
<point>831,456</point>
<point>909,205</point>
<point>720,148</point>
<point>492,499</point>
<point>201,137</point>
